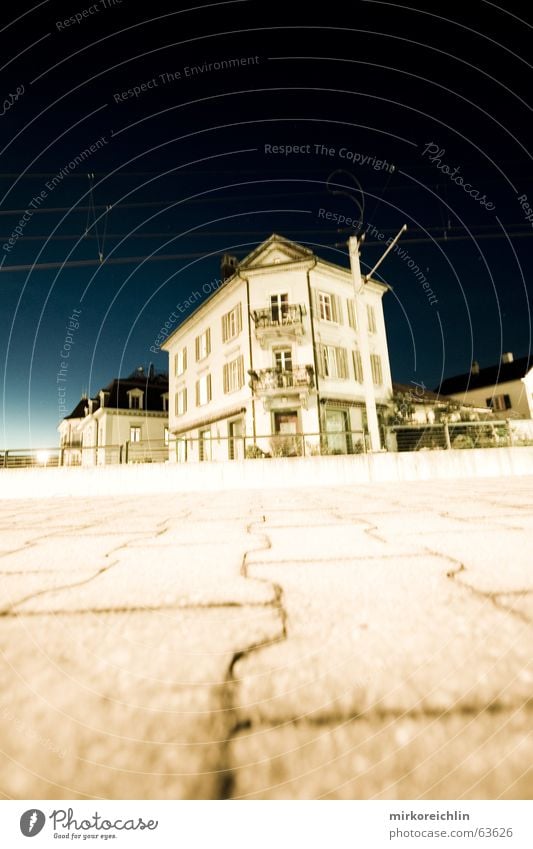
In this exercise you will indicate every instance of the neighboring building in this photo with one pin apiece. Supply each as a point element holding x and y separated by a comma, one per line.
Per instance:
<point>415,404</point>
<point>286,346</point>
<point>127,421</point>
<point>506,388</point>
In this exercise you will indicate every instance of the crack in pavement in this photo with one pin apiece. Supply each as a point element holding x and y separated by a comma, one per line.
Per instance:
<point>230,687</point>
<point>487,595</point>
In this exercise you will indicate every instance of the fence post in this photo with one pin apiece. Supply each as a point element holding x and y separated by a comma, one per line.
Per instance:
<point>5,458</point>
<point>447,435</point>
<point>61,457</point>
<point>126,451</point>
<point>509,433</point>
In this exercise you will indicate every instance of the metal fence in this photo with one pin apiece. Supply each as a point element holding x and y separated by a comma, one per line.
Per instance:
<point>446,435</point>
<point>208,446</point>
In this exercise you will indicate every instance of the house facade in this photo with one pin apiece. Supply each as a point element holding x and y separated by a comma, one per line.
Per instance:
<point>127,421</point>
<point>287,356</point>
<point>505,388</point>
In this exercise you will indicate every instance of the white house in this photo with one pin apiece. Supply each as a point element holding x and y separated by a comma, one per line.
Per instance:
<point>127,421</point>
<point>506,388</point>
<point>288,355</point>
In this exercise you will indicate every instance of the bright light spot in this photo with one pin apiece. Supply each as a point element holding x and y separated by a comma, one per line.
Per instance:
<point>43,457</point>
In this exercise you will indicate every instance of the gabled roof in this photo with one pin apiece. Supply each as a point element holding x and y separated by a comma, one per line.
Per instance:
<point>489,376</point>
<point>276,249</point>
<point>117,395</point>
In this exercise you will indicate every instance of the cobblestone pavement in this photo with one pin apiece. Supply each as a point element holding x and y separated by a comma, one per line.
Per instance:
<point>354,642</point>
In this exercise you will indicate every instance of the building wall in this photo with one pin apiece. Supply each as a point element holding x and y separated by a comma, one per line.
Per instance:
<point>519,391</point>
<point>301,281</point>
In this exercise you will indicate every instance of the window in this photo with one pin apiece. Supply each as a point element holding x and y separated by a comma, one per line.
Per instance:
<point>329,308</point>
<point>180,362</point>
<point>165,436</point>
<point>181,402</point>
<point>377,373</point>
<point>204,445</point>
<point>332,362</point>
<point>279,308</point>
<point>164,401</point>
<point>232,323</point>
<point>135,397</point>
<point>352,315</point>
<point>358,366</point>
<point>135,433</point>
<point>371,317</point>
<point>203,390</point>
<point>499,402</point>
<point>203,344</point>
<point>233,375</point>
<point>283,359</point>
<point>181,450</point>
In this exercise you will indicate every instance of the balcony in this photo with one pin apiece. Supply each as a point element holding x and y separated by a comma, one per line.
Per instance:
<point>279,322</point>
<point>283,387</point>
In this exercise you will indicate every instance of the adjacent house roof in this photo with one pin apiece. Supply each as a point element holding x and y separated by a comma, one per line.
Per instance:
<point>489,376</point>
<point>152,385</point>
<point>419,395</point>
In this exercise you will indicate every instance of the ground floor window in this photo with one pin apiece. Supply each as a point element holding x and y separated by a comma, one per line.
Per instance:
<point>181,450</point>
<point>338,439</point>
<point>135,433</point>
<point>204,445</point>
<point>236,439</point>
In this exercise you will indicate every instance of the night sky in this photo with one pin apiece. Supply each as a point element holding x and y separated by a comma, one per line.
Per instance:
<point>390,108</point>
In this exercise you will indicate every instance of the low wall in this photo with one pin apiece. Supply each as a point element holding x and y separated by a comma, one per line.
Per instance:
<point>258,474</point>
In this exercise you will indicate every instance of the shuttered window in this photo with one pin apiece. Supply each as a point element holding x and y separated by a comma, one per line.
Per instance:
<point>181,402</point>
<point>232,323</point>
<point>203,390</point>
<point>332,362</point>
<point>203,344</point>
<point>328,307</point>
<point>371,317</point>
<point>377,373</point>
<point>233,375</point>
<point>350,309</point>
<point>180,362</point>
<point>358,366</point>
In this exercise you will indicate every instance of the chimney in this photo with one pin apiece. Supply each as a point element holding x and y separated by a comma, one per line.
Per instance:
<point>228,266</point>
<point>507,357</point>
<point>474,368</point>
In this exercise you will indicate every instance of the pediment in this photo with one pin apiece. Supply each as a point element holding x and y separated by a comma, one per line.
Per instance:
<point>275,251</point>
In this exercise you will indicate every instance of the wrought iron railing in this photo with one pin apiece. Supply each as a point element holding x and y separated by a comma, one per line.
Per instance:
<point>272,379</point>
<point>279,316</point>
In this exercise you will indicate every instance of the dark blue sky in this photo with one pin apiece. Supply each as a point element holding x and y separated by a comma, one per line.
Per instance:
<point>184,166</point>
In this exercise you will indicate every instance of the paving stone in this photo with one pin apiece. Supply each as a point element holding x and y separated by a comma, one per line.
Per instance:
<point>127,706</point>
<point>487,756</point>
<point>177,576</point>
<point>382,635</point>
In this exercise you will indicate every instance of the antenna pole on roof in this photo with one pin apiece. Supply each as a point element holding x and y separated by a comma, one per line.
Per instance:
<point>390,247</point>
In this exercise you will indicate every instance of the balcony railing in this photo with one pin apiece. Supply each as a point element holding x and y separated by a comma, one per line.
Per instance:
<point>279,321</point>
<point>273,381</point>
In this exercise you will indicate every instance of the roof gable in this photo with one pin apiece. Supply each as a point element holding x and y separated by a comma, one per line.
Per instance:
<point>275,251</point>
